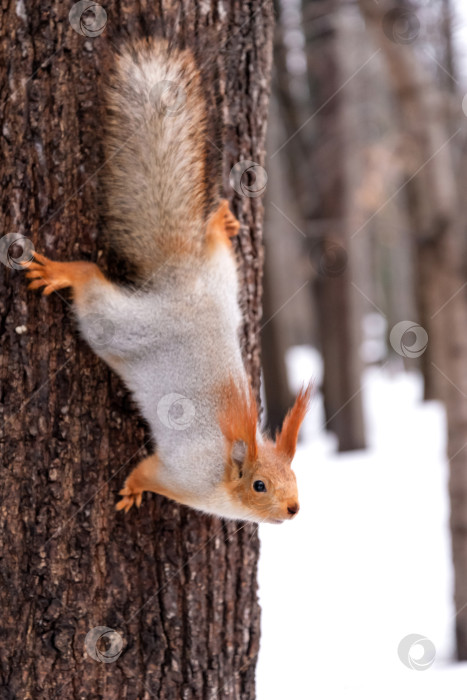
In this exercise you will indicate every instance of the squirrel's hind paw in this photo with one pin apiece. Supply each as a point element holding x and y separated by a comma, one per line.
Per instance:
<point>129,499</point>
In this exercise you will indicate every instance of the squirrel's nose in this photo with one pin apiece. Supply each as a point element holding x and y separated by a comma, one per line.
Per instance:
<point>293,508</point>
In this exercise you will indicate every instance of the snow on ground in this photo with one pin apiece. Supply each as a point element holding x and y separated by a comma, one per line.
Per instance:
<point>367,560</point>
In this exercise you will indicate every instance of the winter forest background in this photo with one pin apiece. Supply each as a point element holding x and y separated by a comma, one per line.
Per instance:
<point>365,593</point>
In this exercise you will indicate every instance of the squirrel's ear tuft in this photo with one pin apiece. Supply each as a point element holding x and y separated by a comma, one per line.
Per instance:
<point>238,420</point>
<point>286,439</point>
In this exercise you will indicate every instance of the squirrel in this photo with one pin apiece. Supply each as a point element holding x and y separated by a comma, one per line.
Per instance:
<point>174,337</point>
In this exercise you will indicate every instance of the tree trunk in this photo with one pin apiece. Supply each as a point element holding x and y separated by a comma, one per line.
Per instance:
<point>429,179</point>
<point>317,171</point>
<point>177,588</point>
<point>338,319</point>
<point>436,220</point>
<point>274,346</point>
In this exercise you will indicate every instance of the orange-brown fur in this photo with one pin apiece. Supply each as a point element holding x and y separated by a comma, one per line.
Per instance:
<point>286,439</point>
<point>276,472</point>
<point>265,460</point>
<point>221,227</point>
<point>59,275</point>
<point>144,478</point>
<point>239,417</point>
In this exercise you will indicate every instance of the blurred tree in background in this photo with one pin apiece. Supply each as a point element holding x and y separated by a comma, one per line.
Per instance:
<point>367,121</point>
<point>434,211</point>
<point>315,158</point>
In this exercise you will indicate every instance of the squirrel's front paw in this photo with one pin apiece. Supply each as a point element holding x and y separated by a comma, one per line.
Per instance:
<point>46,273</point>
<point>230,222</point>
<point>129,498</point>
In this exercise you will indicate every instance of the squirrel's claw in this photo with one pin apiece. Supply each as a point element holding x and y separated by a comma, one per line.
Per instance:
<point>32,264</point>
<point>37,283</point>
<point>129,499</point>
<point>125,503</point>
<point>46,273</point>
<point>231,224</point>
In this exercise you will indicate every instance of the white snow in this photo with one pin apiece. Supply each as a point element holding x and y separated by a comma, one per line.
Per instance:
<point>367,561</point>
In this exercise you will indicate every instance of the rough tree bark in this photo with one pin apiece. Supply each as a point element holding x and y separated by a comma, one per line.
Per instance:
<point>178,588</point>
<point>436,222</point>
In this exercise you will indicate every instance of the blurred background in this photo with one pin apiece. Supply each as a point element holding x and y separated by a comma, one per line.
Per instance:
<point>365,593</point>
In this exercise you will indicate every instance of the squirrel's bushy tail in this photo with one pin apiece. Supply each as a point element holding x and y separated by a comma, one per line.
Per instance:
<point>156,156</point>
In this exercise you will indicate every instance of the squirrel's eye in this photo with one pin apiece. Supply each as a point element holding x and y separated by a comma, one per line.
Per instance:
<point>259,486</point>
